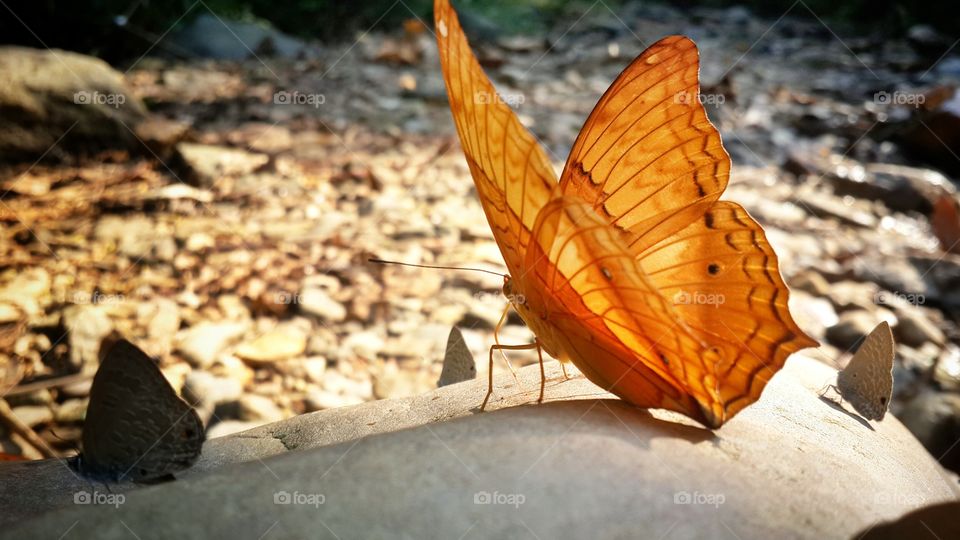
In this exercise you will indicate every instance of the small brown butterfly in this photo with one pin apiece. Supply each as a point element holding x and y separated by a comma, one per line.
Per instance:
<point>458,364</point>
<point>867,381</point>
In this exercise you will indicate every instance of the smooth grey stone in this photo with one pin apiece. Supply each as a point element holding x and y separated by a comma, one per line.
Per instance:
<point>581,465</point>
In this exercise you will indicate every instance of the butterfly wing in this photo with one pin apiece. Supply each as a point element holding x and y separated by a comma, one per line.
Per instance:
<point>649,161</point>
<point>458,363</point>
<point>867,381</point>
<point>647,158</point>
<point>512,173</point>
<point>136,427</point>
<point>587,297</point>
<point>721,276</point>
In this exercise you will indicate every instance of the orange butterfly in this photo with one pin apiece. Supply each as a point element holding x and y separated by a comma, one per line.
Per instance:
<point>608,265</point>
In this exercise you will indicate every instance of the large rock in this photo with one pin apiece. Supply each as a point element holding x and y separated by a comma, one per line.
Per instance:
<point>54,101</point>
<point>209,36</point>
<point>581,465</point>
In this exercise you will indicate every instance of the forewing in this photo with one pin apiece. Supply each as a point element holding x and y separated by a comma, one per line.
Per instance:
<point>512,173</point>
<point>647,158</point>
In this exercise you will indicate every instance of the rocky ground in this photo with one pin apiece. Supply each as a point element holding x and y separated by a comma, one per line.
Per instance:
<point>228,231</point>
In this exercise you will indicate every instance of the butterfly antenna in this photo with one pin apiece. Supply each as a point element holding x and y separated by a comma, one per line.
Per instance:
<point>381,261</point>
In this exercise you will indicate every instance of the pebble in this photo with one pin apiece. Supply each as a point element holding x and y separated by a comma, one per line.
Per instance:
<point>203,343</point>
<point>256,408</point>
<point>29,289</point>
<point>71,410</point>
<point>915,329</point>
<point>87,326</point>
<point>209,163</point>
<point>281,343</point>
<point>812,314</point>
<point>811,282</point>
<point>315,369</point>
<point>318,303</point>
<point>33,415</point>
<point>201,387</point>
<point>947,370</point>
<point>365,344</point>
<point>851,328</point>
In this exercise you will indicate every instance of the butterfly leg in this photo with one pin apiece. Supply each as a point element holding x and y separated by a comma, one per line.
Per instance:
<point>823,391</point>
<point>496,339</point>
<point>543,377</point>
<point>502,348</point>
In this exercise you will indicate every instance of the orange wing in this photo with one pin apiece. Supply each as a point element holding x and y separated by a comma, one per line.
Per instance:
<point>513,176</point>
<point>647,158</point>
<point>587,296</point>
<point>722,277</point>
<point>649,161</point>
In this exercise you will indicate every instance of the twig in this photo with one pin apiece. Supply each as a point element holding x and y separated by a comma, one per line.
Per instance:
<point>17,426</point>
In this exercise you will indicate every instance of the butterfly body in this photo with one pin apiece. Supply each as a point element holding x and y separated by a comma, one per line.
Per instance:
<point>599,257</point>
<point>136,427</point>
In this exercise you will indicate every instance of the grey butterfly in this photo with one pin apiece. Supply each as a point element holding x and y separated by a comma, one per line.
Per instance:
<point>867,381</point>
<point>458,364</point>
<point>136,428</point>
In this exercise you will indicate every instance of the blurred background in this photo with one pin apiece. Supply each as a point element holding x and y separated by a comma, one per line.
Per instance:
<point>209,179</point>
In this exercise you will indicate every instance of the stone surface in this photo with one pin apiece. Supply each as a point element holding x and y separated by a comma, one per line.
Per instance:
<point>581,465</point>
<point>63,99</point>
<point>208,163</point>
